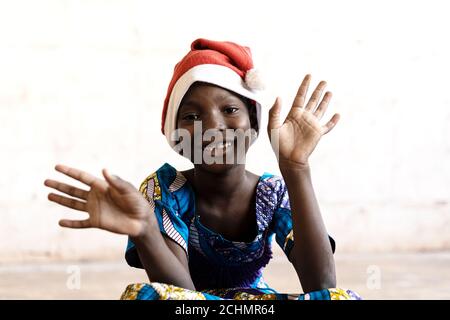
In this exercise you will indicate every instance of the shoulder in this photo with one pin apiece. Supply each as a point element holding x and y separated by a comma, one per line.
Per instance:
<point>272,189</point>
<point>166,186</point>
<point>151,186</point>
<point>166,176</point>
<point>274,182</point>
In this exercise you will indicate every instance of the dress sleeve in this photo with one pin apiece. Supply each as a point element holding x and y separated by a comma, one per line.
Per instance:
<point>154,189</point>
<point>281,224</point>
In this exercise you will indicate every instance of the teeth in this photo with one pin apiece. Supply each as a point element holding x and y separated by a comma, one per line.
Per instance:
<point>224,145</point>
<point>220,145</point>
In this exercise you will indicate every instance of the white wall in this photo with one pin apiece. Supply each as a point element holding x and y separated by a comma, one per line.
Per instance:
<point>82,83</point>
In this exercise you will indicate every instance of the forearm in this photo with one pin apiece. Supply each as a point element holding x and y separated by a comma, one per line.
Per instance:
<point>311,254</point>
<point>160,264</point>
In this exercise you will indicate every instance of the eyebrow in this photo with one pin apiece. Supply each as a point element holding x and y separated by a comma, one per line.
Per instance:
<point>228,96</point>
<point>190,103</point>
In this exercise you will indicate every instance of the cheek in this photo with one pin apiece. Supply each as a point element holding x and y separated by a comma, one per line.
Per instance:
<point>185,143</point>
<point>184,130</point>
<point>241,122</point>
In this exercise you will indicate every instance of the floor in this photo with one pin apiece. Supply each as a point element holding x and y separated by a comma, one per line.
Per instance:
<point>374,276</point>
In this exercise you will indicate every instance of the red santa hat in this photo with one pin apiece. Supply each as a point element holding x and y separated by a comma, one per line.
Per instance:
<point>222,63</point>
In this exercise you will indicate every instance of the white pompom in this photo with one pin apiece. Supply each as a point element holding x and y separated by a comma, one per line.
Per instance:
<point>253,79</point>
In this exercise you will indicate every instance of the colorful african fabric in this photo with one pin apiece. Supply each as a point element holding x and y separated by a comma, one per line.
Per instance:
<point>220,268</point>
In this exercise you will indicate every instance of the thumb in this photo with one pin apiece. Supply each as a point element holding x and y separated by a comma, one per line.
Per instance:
<point>274,115</point>
<point>117,183</point>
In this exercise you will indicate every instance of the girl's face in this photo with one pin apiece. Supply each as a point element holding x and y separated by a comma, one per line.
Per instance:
<point>219,126</point>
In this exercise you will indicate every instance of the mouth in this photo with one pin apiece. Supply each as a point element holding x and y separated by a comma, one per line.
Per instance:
<point>218,145</point>
<point>217,148</point>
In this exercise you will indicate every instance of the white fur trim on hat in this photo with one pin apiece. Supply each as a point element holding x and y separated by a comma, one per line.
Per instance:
<point>210,73</point>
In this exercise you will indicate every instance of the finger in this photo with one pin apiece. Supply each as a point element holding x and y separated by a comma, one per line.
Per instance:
<point>331,124</point>
<point>79,175</point>
<point>67,202</point>
<point>299,100</point>
<point>117,183</point>
<point>75,224</point>
<point>274,115</point>
<point>115,195</point>
<point>323,105</point>
<point>312,103</point>
<point>67,189</point>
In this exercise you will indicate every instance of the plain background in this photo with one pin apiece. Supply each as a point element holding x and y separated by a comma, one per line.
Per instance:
<point>83,82</point>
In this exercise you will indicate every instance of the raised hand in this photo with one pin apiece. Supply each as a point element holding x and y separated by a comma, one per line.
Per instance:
<point>112,204</point>
<point>296,138</point>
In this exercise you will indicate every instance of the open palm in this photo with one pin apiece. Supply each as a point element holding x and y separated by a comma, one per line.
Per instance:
<point>112,204</point>
<point>296,138</point>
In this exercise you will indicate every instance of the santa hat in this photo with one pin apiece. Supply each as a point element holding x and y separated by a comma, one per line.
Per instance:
<point>225,64</point>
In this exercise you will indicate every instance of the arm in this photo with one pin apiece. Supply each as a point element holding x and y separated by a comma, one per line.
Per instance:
<point>116,206</point>
<point>311,254</point>
<point>293,142</point>
<point>164,260</point>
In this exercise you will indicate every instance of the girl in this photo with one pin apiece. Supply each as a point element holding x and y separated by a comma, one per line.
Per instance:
<point>206,233</point>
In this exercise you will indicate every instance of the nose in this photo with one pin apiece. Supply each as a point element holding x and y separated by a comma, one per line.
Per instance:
<point>213,121</point>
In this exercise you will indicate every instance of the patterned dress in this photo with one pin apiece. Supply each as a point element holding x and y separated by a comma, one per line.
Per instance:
<point>220,268</point>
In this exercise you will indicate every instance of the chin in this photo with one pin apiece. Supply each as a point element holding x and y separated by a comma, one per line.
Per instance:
<point>217,168</point>
<point>220,168</point>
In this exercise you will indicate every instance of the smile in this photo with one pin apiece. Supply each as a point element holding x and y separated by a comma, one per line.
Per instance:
<point>219,146</point>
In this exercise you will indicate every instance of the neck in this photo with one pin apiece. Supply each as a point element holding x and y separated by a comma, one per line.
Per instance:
<point>212,186</point>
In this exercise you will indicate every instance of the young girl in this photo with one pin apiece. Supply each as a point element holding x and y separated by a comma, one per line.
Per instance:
<point>206,233</point>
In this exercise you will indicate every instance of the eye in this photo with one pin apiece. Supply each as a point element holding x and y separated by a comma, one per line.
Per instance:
<point>191,117</point>
<point>231,109</point>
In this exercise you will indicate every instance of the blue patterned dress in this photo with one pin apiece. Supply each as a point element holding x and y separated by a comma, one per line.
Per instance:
<point>220,268</point>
